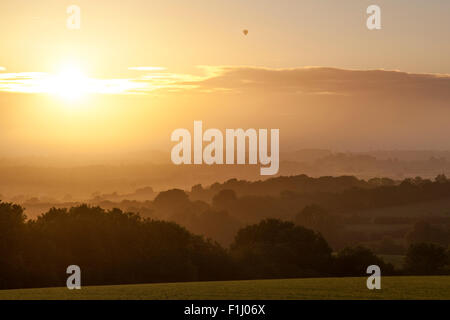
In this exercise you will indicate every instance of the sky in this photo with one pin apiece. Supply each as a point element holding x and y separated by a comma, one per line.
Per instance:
<point>137,70</point>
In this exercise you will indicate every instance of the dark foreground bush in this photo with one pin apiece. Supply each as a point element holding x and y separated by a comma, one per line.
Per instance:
<point>354,262</point>
<point>427,258</point>
<point>116,247</point>
<point>274,249</point>
<point>111,247</point>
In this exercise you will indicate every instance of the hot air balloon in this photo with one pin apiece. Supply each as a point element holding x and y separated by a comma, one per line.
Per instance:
<point>245,32</point>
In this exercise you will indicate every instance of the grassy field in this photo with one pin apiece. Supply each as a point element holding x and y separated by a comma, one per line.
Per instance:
<point>293,289</point>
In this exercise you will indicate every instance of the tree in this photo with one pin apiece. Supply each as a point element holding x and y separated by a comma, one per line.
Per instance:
<point>354,262</point>
<point>171,201</point>
<point>441,178</point>
<point>426,258</point>
<point>224,199</point>
<point>12,242</point>
<point>274,248</point>
<point>110,246</point>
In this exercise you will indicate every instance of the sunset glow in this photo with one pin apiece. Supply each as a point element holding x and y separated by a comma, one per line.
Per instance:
<point>232,150</point>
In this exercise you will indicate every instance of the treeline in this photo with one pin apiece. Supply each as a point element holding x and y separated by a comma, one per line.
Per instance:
<point>329,212</point>
<point>335,206</point>
<point>116,247</point>
<point>275,186</point>
<point>337,194</point>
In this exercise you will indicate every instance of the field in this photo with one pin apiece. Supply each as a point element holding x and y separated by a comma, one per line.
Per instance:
<point>324,288</point>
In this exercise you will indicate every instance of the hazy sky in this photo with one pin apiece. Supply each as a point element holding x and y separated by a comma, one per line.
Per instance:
<point>154,48</point>
<point>181,34</point>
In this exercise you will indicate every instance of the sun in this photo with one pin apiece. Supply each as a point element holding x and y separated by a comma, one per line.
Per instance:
<point>70,83</point>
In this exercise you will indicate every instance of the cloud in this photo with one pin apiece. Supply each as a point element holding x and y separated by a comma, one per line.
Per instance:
<point>321,80</point>
<point>41,82</point>
<point>147,68</point>
<point>298,81</point>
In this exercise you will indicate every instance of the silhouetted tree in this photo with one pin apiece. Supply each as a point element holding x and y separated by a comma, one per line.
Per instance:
<point>354,262</point>
<point>441,178</point>
<point>111,247</point>
<point>426,258</point>
<point>171,201</point>
<point>274,248</point>
<point>12,244</point>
